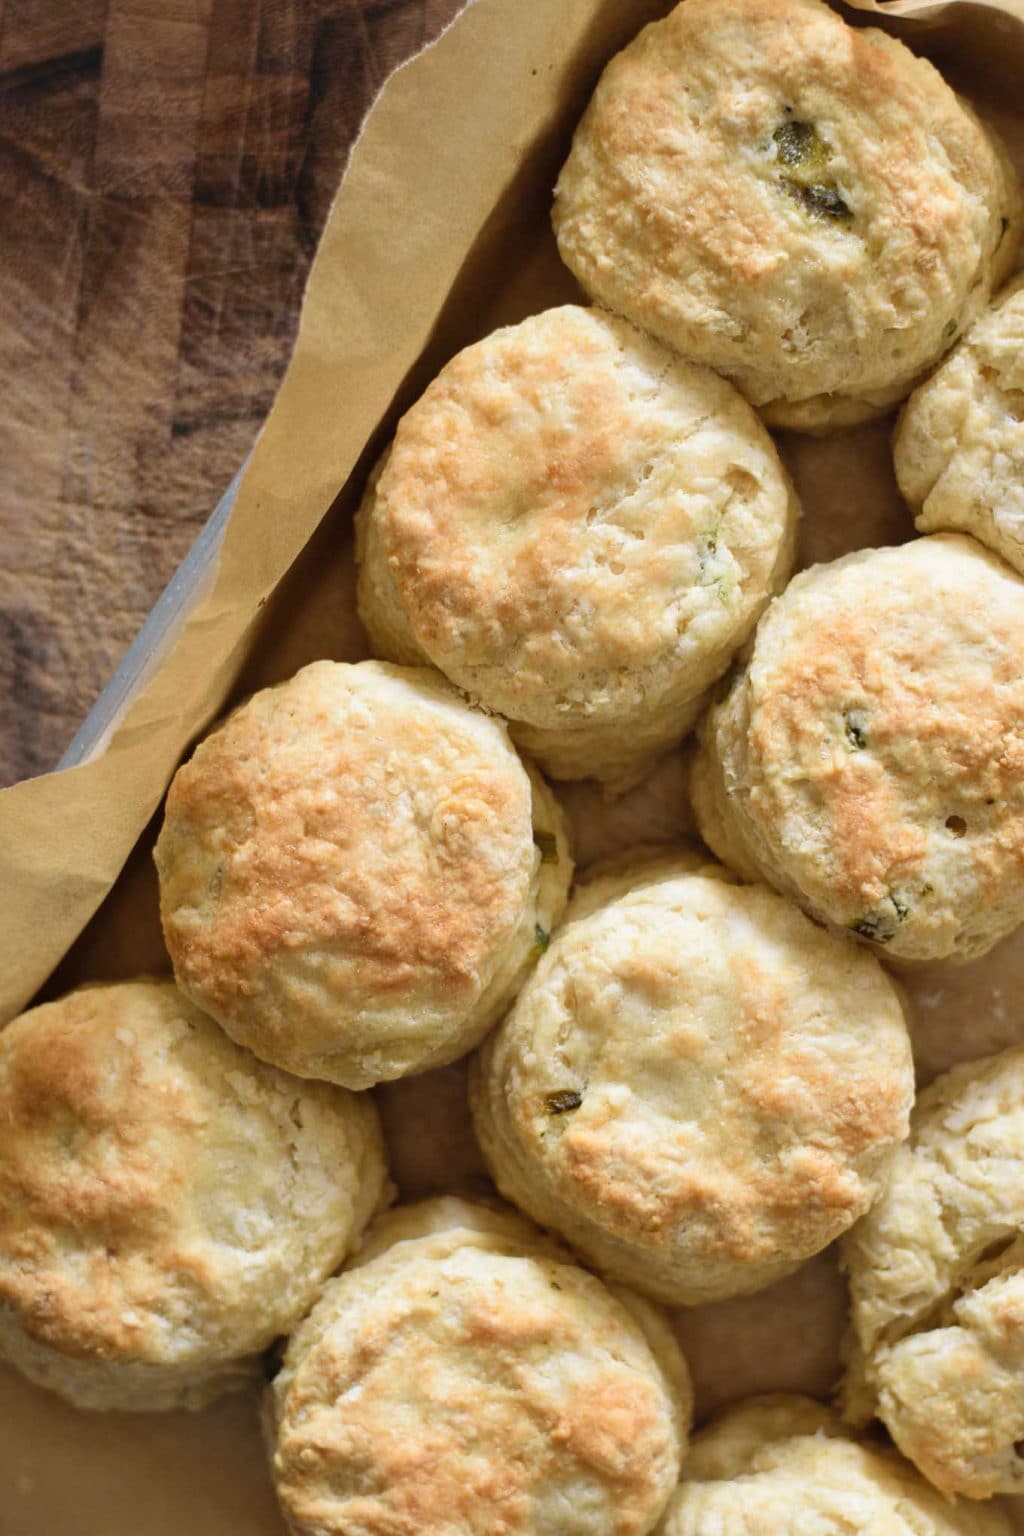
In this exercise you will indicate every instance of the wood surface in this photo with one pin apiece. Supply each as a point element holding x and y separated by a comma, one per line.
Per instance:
<point>165,169</point>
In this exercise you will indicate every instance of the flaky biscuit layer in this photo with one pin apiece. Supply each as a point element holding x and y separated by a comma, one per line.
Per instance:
<point>355,870</point>
<point>805,206</point>
<point>168,1204</point>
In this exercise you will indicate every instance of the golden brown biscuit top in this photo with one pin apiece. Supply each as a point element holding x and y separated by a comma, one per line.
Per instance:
<point>697,1066</point>
<point>155,1179</point>
<point>355,843</point>
<point>803,205</point>
<point>568,507</point>
<point>885,746</point>
<point>469,1391</point>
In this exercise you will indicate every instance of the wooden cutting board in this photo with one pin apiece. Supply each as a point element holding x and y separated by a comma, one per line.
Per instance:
<point>165,169</point>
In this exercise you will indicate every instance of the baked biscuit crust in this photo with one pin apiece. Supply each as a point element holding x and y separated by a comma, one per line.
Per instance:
<point>168,1204</point>
<point>782,1463</point>
<point>579,530</point>
<point>698,1088</point>
<point>804,206</point>
<point>959,445</point>
<point>937,1285</point>
<point>349,878</point>
<point>869,759</point>
<point>468,1378</point>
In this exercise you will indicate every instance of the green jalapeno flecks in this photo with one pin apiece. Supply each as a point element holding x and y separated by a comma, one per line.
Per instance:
<point>805,154</point>
<point>796,143</point>
<point>884,923</point>
<point>819,199</point>
<point>563,1102</point>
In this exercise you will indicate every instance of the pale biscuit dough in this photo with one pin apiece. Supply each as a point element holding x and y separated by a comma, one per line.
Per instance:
<point>804,206</point>
<point>466,1377</point>
<point>868,760</point>
<point>959,445</point>
<point>937,1285</point>
<point>168,1204</point>
<point>356,871</point>
<point>776,1465</point>
<point>699,1087</point>
<point>579,530</point>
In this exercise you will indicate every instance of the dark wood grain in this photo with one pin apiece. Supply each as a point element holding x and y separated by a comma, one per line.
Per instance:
<point>165,170</point>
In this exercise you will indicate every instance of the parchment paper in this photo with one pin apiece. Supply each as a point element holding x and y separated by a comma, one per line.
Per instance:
<point>438,233</point>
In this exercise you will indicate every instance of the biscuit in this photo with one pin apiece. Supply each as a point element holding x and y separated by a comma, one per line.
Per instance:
<point>783,1464</point>
<point>168,1204</point>
<point>465,1376</point>
<point>698,1087</point>
<point>937,1285</point>
<point>959,445</point>
<point>579,530</point>
<point>804,206</point>
<point>868,760</point>
<point>356,871</point>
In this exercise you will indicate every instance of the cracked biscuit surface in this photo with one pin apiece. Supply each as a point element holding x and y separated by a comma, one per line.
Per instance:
<point>356,870</point>
<point>868,760</point>
<point>579,530</point>
<point>699,1087</point>
<point>784,1464</point>
<point>804,206</point>
<point>937,1285</point>
<point>465,1378</point>
<point>959,445</point>
<point>168,1204</point>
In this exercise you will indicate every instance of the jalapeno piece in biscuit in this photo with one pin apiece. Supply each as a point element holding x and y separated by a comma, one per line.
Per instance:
<point>698,1087</point>
<point>869,761</point>
<point>795,202</point>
